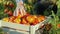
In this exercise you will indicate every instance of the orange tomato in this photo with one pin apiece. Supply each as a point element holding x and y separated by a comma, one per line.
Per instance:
<point>30,19</point>
<point>23,21</point>
<point>35,16</point>
<point>11,19</point>
<point>19,16</point>
<point>41,18</point>
<point>58,25</point>
<point>34,22</point>
<point>6,10</point>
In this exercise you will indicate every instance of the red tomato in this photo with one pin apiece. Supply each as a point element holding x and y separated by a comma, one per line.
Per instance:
<point>10,13</point>
<point>11,5</point>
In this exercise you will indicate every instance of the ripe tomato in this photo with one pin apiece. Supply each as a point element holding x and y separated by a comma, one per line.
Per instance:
<point>58,25</point>
<point>10,13</point>
<point>23,21</point>
<point>11,19</point>
<point>42,17</point>
<point>11,5</point>
<point>6,10</point>
<point>30,19</point>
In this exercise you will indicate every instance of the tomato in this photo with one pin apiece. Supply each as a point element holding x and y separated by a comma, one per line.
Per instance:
<point>11,5</point>
<point>10,13</point>
<point>11,19</point>
<point>58,25</point>
<point>30,19</point>
<point>35,16</point>
<point>6,10</point>
<point>42,17</point>
<point>24,21</point>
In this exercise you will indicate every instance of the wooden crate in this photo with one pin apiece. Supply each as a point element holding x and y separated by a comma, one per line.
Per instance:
<point>24,28</point>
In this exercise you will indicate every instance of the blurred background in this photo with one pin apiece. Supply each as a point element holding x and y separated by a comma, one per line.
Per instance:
<point>35,7</point>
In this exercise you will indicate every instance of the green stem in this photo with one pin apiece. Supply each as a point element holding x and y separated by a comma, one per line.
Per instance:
<point>55,22</point>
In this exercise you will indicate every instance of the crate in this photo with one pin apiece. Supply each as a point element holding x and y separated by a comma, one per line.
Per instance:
<point>23,28</point>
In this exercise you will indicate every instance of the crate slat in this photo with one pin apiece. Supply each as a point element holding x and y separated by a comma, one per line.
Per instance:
<point>15,26</point>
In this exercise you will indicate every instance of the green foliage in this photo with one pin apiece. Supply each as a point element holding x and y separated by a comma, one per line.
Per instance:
<point>2,7</point>
<point>2,11</point>
<point>29,6</point>
<point>55,21</point>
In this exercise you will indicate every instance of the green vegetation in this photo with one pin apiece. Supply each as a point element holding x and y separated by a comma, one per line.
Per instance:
<point>3,5</point>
